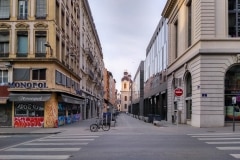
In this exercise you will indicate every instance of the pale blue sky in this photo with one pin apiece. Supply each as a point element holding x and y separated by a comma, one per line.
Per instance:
<point>125,28</point>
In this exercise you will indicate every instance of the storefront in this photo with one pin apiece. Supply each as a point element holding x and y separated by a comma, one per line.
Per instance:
<point>28,109</point>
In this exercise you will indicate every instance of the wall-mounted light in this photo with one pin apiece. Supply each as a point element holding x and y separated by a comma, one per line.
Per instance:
<point>49,46</point>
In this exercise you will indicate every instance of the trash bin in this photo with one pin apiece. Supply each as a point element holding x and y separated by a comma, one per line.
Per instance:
<point>150,118</point>
<point>157,120</point>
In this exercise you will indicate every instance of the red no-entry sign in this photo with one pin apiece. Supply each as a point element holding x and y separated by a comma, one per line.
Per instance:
<point>178,92</point>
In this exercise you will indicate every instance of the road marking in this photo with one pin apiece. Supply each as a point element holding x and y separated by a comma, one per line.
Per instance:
<point>43,149</point>
<point>211,134</point>
<point>209,139</point>
<point>43,157</point>
<point>223,142</point>
<point>228,148</point>
<point>53,139</point>
<point>43,144</point>
<point>235,155</point>
<point>76,137</point>
<point>206,136</point>
<point>4,136</point>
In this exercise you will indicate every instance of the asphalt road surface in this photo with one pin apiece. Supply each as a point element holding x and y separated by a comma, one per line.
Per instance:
<point>130,139</point>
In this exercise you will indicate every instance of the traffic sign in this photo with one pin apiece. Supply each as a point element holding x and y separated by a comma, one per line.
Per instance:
<point>178,92</point>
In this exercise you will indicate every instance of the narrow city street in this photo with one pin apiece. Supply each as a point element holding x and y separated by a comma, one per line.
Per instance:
<point>130,139</point>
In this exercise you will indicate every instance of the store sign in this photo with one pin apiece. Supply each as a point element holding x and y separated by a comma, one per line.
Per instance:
<point>28,85</point>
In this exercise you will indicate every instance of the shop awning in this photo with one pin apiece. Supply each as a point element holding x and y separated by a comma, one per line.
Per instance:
<point>29,97</point>
<point>73,100</point>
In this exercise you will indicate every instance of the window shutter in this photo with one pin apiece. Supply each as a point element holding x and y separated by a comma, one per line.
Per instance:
<point>4,9</point>
<point>41,8</point>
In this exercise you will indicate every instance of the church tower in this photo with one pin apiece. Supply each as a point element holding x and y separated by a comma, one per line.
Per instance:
<point>126,83</point>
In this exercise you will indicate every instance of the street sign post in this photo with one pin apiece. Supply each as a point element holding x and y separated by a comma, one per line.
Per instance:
<point>178,92</point>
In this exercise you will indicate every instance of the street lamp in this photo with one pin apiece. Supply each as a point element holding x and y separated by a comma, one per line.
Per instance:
<point>46,44</point>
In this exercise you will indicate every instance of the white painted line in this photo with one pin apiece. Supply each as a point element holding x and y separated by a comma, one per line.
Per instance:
<point>4,136</point>
<point>43,157</point>
<point>43,149</point>
<point>77,137</point>
<point>211,134</point>
<point>228,148</point>
<point>52,139</point>
<point>206,136</point>
<point>235,155</point>
<point>233,142</point>
<point>46,144</point>
<point>209,139</point>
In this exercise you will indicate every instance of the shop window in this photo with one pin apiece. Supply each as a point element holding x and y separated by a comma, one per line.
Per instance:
<point>22,9</point>
<point>39,74</point>
<point>4,9</point>
<point>4,44</point>
<point>41,9</point>
<point>3,77</point>
<point>21,74</point>
<point>31,109</point>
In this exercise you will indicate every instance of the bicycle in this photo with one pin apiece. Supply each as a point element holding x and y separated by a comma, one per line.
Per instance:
<point>101,123</point>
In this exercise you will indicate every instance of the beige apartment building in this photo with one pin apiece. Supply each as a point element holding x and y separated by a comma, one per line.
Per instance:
<point>110,93</point>
<point>203,61</point>
<point>51,63</point>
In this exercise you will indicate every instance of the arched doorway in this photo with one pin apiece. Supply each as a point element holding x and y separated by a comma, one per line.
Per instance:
<point>188,96</point>
<point>232,89</point>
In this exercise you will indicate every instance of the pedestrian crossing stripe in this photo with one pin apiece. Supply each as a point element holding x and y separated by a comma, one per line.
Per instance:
<point>228,148</point>
<point>43,149</point>
<point>214,139</point>
<point>235,155</point>
<point>75,137</point>
<point>232,142</point>
<point>32,157</point>
<point>57,143</point>
<point>55,139</point>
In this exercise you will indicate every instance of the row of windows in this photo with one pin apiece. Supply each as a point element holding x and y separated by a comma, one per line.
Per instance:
<point>22,43</point>
<point>22,9</point>
<point>62,79</point>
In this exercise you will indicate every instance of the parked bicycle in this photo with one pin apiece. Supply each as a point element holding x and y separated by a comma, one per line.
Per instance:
<point>100,123</point>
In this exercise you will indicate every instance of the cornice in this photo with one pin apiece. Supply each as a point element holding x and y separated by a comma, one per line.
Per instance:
<point>40,25</point>
<point>5,25</point>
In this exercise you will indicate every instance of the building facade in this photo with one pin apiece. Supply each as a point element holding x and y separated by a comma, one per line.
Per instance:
<point>203,60</point>
<point>137,91</point>
<point>51,63</point>
<point>126,99</point>
<point>155,71</point>
<point>110,96</point>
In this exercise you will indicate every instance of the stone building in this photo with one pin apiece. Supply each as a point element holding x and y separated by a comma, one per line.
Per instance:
<point>203,60</point>
<point>51,63</point>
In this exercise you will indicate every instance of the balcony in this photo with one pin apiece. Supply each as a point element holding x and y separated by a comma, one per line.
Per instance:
<point>89,54</point>
<point>4,54</point>
<point>91,74</point>
<point>22,54</point>
<point>22,17</point>
<point>40,54</point>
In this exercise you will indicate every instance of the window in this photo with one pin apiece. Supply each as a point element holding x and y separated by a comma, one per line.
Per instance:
<point>41,9</point>
<point>125,86</point>
<point>4,9</point>
<point>39,74</point>
<point>22,9</point>
<point>189,8</point>
<point>125,98</point>
<point>40,39</point>
<point>3,77</point>
<point>21,74</point>
<point>234,18</point>
<point>4,44</point>
<point>176,39</point>
<point>22,42</point>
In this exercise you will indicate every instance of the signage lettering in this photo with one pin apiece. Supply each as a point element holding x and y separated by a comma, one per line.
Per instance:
<point>28,85</point>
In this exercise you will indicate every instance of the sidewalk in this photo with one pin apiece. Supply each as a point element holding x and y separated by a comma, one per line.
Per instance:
<point>80,127</point>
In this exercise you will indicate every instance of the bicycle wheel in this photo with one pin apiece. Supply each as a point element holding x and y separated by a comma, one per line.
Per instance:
<point>93,128</point>
<point>106,127</point>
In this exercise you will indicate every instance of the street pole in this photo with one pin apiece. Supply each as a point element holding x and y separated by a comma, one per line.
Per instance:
<point>233,118</point>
